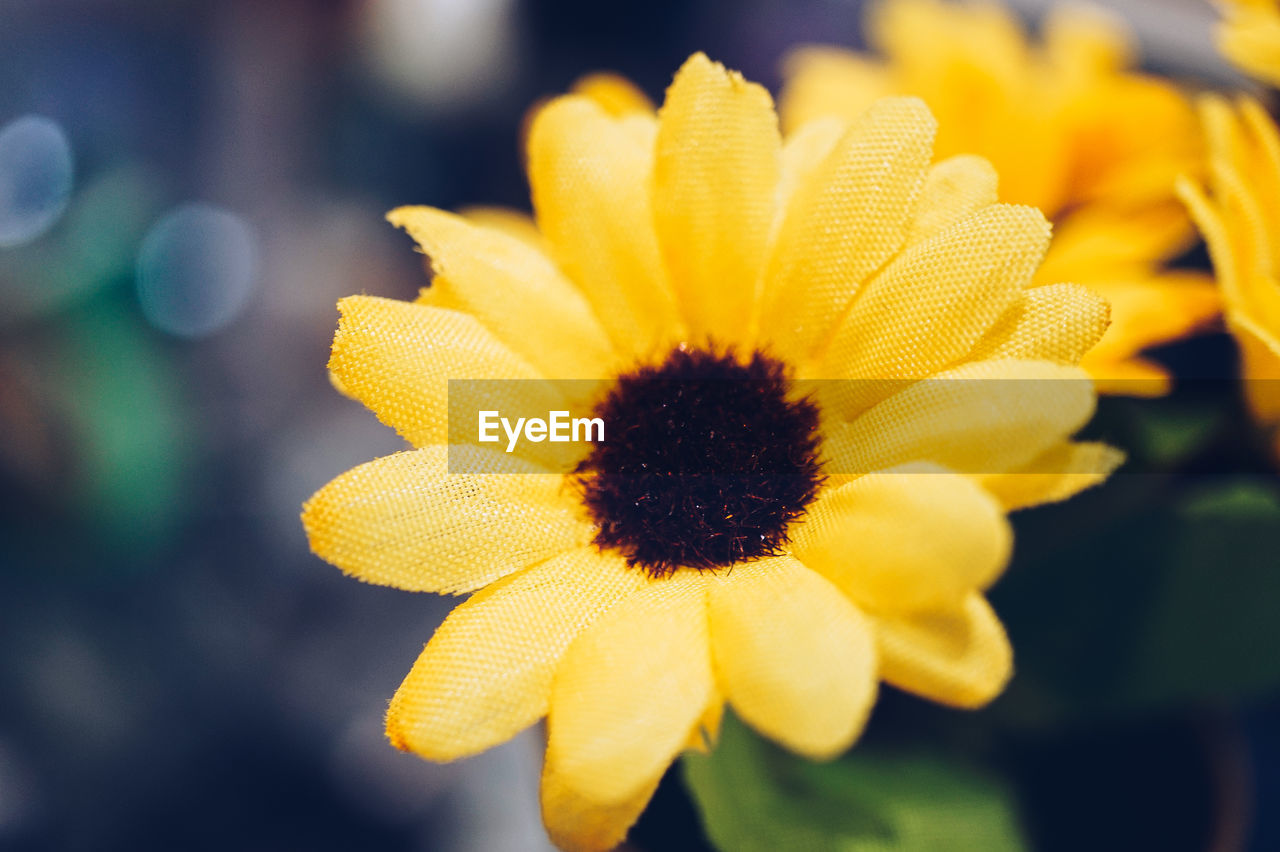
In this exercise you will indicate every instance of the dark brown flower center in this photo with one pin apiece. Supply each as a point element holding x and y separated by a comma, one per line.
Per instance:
<point>707,460</point>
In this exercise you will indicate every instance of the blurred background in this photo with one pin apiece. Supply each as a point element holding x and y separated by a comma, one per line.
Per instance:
<point>186,188</point>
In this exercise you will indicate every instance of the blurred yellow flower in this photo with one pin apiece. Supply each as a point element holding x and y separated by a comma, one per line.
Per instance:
<point>1249,36</point>
<point>1240,219</point>
<point>628,600</point>
<point>1070,128</point>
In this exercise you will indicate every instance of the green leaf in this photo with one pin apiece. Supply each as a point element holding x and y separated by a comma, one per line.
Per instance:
<point>1170,434</point>
<point>754,797</point>
<point>1169,601</point>
<point>1212,628</point>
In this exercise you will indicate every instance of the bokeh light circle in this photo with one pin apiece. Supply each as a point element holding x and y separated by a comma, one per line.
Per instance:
<point>196,269</point>
<point>36,173</point>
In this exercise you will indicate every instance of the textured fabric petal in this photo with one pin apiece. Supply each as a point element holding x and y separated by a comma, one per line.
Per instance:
<point>1062,472</point>
<point>795,658</point>
<point>954,188</point>
<point>959,657</point>
<point>513,223</point>
<point>1053,322</point>
<point>577,822</point>
<point>398,357</point>
<point>616,95</point>
<point>405,521</point>
<point>591,181</point>
<point>983,417</point>
<point>932,303</point>
<point>714,182</point>
<point>513,290</point>
<point>847,220</point>
<point>486,673</point>
<point>631,689</point>
<point>916,538</point>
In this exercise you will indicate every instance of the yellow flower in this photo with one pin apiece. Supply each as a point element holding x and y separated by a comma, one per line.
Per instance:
<point>1240,220</point>
<point>628,600</point>
<point>1070,129</point>
<point>1249,36</point>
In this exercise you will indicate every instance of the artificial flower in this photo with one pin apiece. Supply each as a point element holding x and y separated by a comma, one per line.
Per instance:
<point>1070,128</point>
<point>742,542</point>
<point>1249,36</point>
<point>1239,215</point>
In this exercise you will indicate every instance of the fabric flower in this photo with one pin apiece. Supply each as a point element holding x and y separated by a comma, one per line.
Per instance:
<point>1240,219</point>
<point>1249,36</point>
<point>1070,129</point>
<point>742,542</point>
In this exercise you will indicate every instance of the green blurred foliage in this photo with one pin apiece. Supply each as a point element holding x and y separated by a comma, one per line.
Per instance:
<point>1147,595</point>
<point>89,251</point>
<point>119,394</point>
<point>754,797</point>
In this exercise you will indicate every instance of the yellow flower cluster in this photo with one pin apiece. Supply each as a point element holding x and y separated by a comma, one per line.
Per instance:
<point>1070,129</point>
<point>870,249</point>
<point>843,254</point>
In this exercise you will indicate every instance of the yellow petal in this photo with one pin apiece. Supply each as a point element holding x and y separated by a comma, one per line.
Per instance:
<point>591,182</point>
<point>825,82</point>
<point>1238,227</point>
<point>972,64</point>
<point>486,673</point>
<point>513,223</point>
<point>577,822</point>
<point>405,521</point>
<point>1249,37</point>
<point>616,95</point>
<point>1150,310</point>
<point>1088,40</point>
<point>1260,365</point>
<point>795,658</point>
<point>959,657</point>
<point>954,188</point>
<point>847,220</point>
<point>1266,142</point>
<point>933,302</point>
<point>984,39</point>
<point>983,417</point>
<point>398,357</point>
<point>1097,240</point>
<point>715,176</point>
<point>1210,222</point>
<point>630,690</point>
<point>803,152</point>
<point>1053,322</point>
<point>915,538</point>
<point>1062,472</point>
<point>1137,377</point>
<point>515,291</point>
